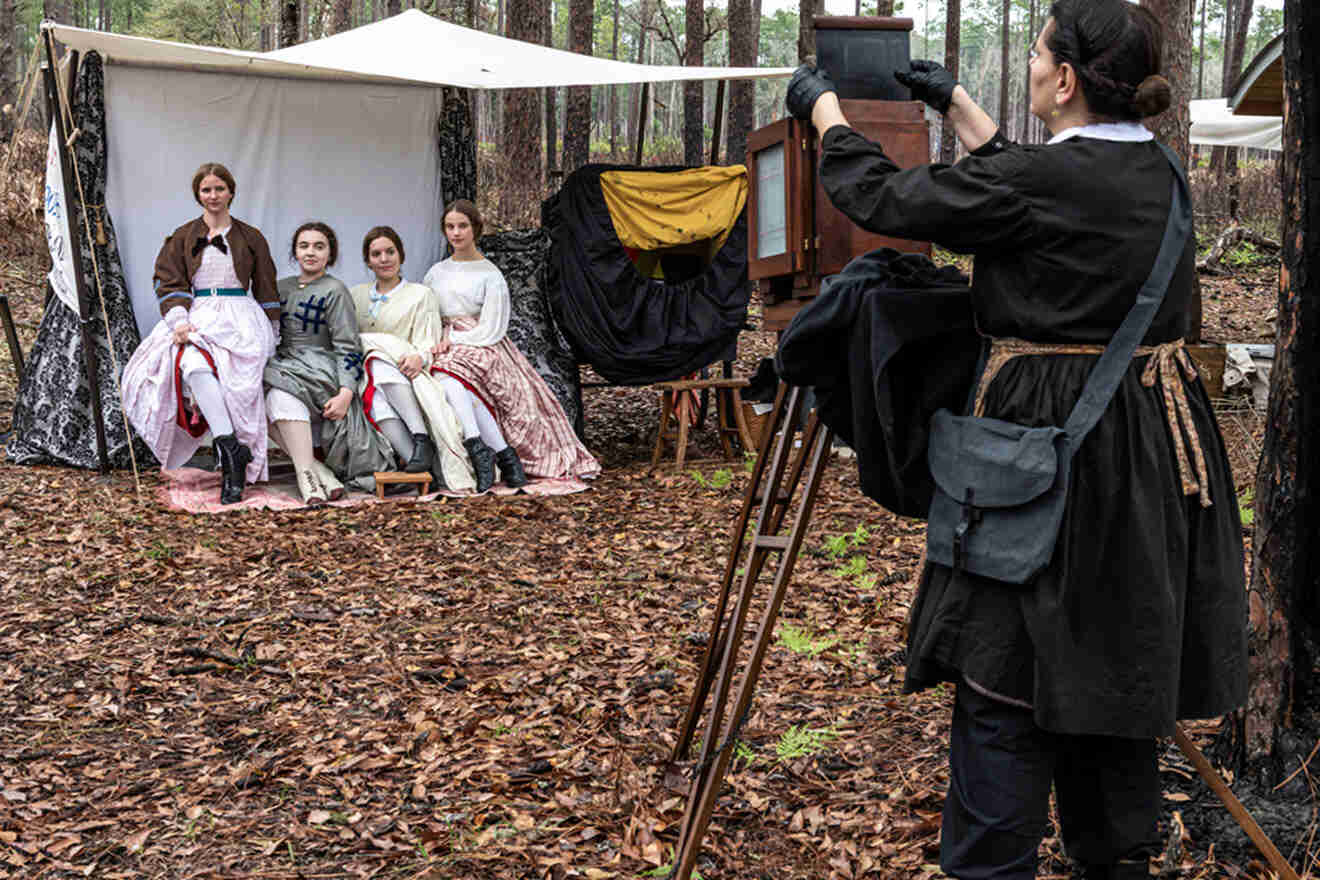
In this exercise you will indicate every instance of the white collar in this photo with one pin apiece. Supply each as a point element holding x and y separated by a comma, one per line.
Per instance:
<point>375,286</point>
<point>1129,132</point>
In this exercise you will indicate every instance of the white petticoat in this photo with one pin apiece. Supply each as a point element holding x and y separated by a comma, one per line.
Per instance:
<point>235,331</point>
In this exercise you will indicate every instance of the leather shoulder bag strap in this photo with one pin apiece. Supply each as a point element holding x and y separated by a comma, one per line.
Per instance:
<point>1109,370</point>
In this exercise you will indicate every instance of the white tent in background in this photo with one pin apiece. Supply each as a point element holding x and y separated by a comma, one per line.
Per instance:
<point>1213,124</point>
<point>341,129</point>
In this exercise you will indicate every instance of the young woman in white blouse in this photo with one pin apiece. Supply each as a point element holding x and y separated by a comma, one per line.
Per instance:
<point>510,417</point>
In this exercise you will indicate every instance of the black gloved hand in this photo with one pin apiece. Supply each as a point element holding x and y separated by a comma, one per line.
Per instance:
<point>929,82</point>
<point>804,88</point>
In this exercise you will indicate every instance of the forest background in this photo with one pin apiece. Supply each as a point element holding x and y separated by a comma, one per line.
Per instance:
<point>569,127</point>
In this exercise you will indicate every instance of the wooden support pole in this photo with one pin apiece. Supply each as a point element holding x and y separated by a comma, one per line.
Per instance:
<point>717,130</point>
<point>641,121</point>
<point>75,250</point>
<point>11,336</point>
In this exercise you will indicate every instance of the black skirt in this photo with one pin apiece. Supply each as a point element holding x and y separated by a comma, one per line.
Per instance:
<point>1139,619</point>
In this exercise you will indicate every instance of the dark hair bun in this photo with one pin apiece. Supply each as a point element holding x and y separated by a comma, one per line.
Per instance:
<point>1153,96</point>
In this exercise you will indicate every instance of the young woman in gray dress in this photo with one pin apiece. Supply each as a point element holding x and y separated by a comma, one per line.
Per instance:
<point>311,381</point>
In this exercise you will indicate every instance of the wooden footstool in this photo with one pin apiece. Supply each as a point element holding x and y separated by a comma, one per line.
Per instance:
<point>676,404</point>
<point>389,478</point>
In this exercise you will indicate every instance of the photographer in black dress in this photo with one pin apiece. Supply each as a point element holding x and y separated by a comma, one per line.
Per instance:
<point>1139,619</point>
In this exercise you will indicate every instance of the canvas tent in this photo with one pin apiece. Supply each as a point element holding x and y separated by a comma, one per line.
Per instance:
<point>353,129</point>
<point>342,129</point>
<point>1214,124</point>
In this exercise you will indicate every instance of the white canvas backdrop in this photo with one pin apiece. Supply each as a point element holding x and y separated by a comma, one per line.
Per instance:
<point>353,155</point>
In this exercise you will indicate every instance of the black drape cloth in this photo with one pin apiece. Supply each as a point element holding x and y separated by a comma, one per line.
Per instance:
<point>635,330</point>
<point>889,341</point>
<point>53,420</point>
<point>520,255</point>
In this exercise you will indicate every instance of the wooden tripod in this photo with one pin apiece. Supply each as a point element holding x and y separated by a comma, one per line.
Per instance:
<point>772,488</point>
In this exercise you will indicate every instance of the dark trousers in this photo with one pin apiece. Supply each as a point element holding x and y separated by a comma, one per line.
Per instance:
<point>1001,766</point>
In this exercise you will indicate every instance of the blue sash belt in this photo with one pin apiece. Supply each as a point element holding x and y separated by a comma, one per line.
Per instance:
<point>219,291</point>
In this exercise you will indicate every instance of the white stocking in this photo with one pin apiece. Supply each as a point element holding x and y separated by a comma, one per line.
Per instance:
<point>295,438</point>
<point>461,400</point>
<point>398,390</point>
<point>397,433</point>
<point>491,434</point>
<point>210,399</point>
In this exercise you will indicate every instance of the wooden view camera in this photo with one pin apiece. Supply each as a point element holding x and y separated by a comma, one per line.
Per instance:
<point>795,236</point>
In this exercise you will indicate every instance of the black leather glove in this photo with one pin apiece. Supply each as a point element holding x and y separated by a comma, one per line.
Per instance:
<point>804,88</point>
<point>929,82</point>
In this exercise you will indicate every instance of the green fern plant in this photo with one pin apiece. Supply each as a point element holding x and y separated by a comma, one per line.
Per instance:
<point>800,741</point>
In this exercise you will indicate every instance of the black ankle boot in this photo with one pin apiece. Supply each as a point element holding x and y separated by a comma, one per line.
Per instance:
<point>234,458</point>
<point>423,455</point>
<point>511,468</point>
<point>483,462</point>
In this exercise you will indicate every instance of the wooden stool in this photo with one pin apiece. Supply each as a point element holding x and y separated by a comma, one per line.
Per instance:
<point>389,478</point>
<point>676,403</point>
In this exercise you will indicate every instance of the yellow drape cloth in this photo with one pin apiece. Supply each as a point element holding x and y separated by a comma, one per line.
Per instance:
<point>652,210</point>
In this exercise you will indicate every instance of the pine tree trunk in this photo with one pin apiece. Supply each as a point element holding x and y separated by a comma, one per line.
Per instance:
<point>742,93</point>
<point>341,16</point>
<point>1174,127</point>
<point>807,10</point>
<point>694,44</point>
<point>577,103</point>
<point>1032,32</point>
<point>1005,59</point>
<point>8,74</point>
<point>288,23</point>
<point>614,90</point>
<point>884,7</point>
<point>520,140</point>
<point>952,41</point>
<point>1284,593</point>
<point>551,99</point>
<point>393,7</point>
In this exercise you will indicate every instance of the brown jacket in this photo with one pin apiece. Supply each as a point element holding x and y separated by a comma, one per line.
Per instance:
<point>176,264</point>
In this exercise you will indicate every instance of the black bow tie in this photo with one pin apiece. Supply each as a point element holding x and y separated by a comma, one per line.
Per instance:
<point>203,241</point>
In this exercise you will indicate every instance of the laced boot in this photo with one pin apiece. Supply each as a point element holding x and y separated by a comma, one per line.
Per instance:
<point>423,455</point>
<point>309,486</point>
<point>234,458</point>
<point>483,462</point>
<point>511,467</point>
<point>334,489</point>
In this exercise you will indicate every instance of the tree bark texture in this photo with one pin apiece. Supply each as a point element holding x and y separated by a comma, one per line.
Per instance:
<point>952,43</point>
<point>1283,591</point>
<point>742,93</point>
<point>393,7</point>
<point>341,16</point>
<point>884,7</point>
<point>520,186</point>
<point>8,70</point>
<point>1174,126</point>
<point>1005,68</point>
<point>614,90</point>
<point>694,44</point>
<point>288,23</point>
<point>807,10</point>
<point>577,102</point>
<point>551,97</point>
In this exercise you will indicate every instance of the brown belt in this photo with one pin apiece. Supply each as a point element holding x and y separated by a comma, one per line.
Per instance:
<point>1164,365</point>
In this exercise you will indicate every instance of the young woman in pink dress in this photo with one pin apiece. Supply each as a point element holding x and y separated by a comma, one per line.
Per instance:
<point>510,417</point>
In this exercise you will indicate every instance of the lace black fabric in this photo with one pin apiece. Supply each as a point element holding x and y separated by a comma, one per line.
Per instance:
<point>521,256</point>
<point>53,421</point>
<point>458,147</point>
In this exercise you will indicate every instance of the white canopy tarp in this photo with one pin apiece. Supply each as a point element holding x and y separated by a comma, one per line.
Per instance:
<point>411,48</point>
<point>1213,124</point>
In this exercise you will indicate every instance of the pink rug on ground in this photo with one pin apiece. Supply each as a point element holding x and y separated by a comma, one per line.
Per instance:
<point>197,491</point>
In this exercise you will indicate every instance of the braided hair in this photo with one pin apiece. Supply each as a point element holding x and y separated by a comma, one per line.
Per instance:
<point>1115,47</point>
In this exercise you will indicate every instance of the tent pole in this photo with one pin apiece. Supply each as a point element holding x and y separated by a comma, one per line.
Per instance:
<point>11,336</point>
<point>716,129</point>
<point>641,121</point>
<point>75,250</point>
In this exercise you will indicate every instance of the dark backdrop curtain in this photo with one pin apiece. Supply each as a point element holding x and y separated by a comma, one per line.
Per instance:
<point>53,420</point>
<point>521,256</point>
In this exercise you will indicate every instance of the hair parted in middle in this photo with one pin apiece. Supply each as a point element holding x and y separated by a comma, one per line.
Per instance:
<point>220,171</point>
<point>468,210</point>
<point>376,232</point>
<point>316,226</point>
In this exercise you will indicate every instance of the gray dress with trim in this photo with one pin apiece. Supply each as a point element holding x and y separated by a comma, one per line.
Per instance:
<point>319,353</point>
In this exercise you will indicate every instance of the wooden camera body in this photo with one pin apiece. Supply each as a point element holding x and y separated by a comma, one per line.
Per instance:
<point>795,236</point>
